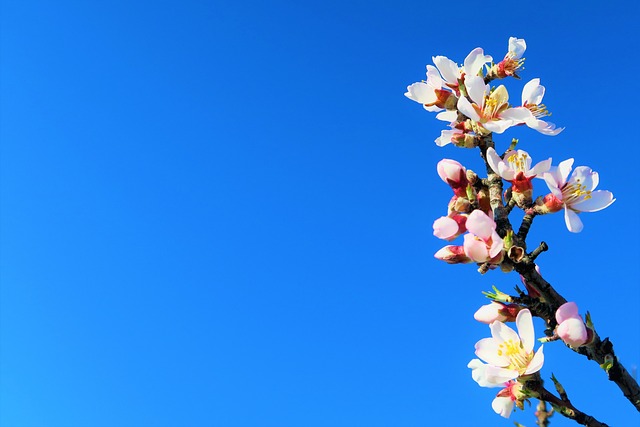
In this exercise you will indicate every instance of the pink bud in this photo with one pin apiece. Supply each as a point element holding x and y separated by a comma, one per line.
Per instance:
<point>448,228</point>
<point>454,174</point>
<point>573,332</point>
<point>453,255</point>
<point>566,311</point>
<point>489,313</point>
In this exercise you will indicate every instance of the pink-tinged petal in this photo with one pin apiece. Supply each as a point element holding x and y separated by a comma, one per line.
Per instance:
<point>490,313</point>
<point>476,88</point>
<point>445,137</point>
<point>503,406</point>
<point>465,107</point>
<point>585,176</point>
<point>487,350</point>
<point>540,168</point>
<point>445,228</point>
<point>572,221</point>
<point>433,77</point>
<point>450,170</point>
<point>449,69</point>
<point>421,92</point>
<point>475,248</point>
<point>599,200</point>
<point>564,169</point>
<point>517,47</point>
<point>552,183</point>
<point>545,128</point>
<point>480,224</point>
<point>493,159</point>
<point>474,61</point>
<point>448,116</point>
<point>566,311</point>
<point>496,246</point>
<point>517,114</point>
<point>532,93</point>
<point>490,376</point>
<point>524,322</point>
<point>501,332</point>
<point>498,126</point>
<point>536,363</point>
<point>506,172</point>
<point>573,332</point>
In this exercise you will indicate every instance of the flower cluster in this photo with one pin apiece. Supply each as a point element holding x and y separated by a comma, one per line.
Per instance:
<point>476,109</point>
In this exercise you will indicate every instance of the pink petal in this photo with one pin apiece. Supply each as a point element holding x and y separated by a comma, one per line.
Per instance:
<point>445,228</point>
<point>480,224</point>
<point>566,311</point>
<point>573,332</point>
<point>475,248</point>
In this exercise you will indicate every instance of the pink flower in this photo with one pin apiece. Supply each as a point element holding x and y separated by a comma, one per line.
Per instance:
<point>571,329</point>
<point>482,243</point>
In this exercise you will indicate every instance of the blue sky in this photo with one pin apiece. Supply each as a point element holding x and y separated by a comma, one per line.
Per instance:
<point>219,213</point>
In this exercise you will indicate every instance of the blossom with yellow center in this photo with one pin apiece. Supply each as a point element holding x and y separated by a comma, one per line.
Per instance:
<point>576,193</point>
<point>508,354</point>
<point>489,108</point>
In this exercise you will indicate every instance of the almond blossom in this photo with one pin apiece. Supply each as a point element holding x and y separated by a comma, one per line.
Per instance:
<point>441,89</point>
<point>508,355</point>
<point>516,168</point>
<point>575,194</point>
<point>532,109</point>
<point>490,108</point>
<point>482,243</point>
<point>512,61</point>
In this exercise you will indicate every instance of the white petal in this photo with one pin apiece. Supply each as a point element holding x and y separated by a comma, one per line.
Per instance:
<point>421,92</point>
<point>599,200</point>
<point>517,47</point>
<point>449,69</point>
<point>498,126</point>
<point>540,168</point>
<point>487,350</point>
<point>474,61</point>
<point>433,77</point>
<point>585,176</point>
<point>476,88</point>
<point>502,332</point>
<point>574,224</point>
<point>449,116</point>
<point>564,169</point>
<point>465,107</point>
<point>517,114</point>
<point>532,93</point>
<point>524,322</point>
<point>493,159</point>
<point>536,363</point>
<point>506,172</point>
<point>503,406</point>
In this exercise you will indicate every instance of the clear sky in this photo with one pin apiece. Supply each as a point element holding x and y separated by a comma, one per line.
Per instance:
<point>218,213</point>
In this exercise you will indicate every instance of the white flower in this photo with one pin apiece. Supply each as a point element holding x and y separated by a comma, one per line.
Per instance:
<point>532,109</point>
<point>516,165</point>
<point>489,108</point>
<point>509,355</point>
<point>576,193</point>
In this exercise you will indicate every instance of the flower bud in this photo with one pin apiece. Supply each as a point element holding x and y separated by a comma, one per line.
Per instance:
<point>452,254</point>
<point>454,174</point>
<point>496,311</point>
<point>571,329</point>
<point>449,227</point>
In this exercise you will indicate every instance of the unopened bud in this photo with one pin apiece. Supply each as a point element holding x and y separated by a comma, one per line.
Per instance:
<point>452,254</point>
